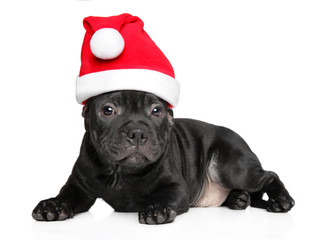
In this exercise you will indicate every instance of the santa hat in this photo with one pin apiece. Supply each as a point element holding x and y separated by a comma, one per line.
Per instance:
<point>117,54</point>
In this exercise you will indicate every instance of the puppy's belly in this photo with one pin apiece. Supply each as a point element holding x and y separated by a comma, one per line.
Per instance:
<point>212,195</point>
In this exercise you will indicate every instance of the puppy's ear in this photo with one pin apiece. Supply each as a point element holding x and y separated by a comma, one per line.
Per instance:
<point>85,111</point>
<point>170,117</point>
<point>170,111</point>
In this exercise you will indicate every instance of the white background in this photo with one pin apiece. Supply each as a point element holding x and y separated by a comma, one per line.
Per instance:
<point>253,66</point>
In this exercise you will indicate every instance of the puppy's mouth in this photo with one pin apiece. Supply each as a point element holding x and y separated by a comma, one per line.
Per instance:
<point>135,159</point>
<point>133,156</point>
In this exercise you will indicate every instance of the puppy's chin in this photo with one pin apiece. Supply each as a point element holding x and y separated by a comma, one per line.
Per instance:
<point>135,160</point>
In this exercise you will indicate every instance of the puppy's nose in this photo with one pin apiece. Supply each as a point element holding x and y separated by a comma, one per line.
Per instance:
<point>136,137</point>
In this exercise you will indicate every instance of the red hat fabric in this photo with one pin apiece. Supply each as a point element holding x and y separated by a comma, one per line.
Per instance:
<point>117,54</point>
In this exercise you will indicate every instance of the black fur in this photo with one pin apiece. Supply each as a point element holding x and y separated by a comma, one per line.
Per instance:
<point>138,158</point>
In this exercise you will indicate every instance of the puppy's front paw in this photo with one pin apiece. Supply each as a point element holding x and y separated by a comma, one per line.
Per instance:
<point>157,214</point>
<point>281,203</point>
<point>52,210</point>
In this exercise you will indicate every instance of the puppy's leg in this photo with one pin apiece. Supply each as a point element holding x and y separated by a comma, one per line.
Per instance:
<point>237,168</point>
<point>279,198</point>
<point>245,179</point>
<point>69,201</point>
<point>164,205</point>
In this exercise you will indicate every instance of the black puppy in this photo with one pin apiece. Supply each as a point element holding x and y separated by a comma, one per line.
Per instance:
<point>138,158</point>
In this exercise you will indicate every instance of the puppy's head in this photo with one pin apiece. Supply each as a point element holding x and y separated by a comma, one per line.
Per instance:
<point>128,128</point>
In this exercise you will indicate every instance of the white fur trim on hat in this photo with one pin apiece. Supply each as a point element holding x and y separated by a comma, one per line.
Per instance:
<point>157,83</point>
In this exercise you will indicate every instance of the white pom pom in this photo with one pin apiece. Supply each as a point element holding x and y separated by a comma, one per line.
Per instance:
<point>107,43</point>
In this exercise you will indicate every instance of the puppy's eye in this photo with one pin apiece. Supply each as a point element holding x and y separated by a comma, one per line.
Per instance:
<point>108,111</point>
<point>157,112</point>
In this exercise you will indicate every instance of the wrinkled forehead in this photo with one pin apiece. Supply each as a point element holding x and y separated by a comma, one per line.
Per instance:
<point>128,99</point>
